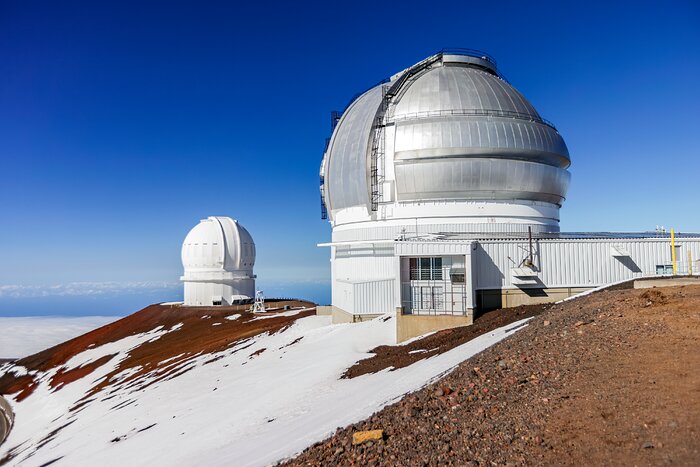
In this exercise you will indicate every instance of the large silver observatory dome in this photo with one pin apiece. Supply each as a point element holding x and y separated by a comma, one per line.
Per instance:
<point>459,131</point>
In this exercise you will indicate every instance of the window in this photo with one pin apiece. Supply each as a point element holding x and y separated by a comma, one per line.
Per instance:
<point>413,268</point>
<point>457,277</point>
<point>437,268</point>
<point>425,269</point>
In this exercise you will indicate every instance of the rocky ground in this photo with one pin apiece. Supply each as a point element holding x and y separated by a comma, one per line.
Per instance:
<point>609,379</point>
<point>399,356</point>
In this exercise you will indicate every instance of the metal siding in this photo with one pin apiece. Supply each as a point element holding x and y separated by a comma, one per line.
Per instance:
<point>374,297</point>
<point>346,161</point>
<point>462,94</point>
<point>561,263</point>
<point>489,179</point>
<point>391,232</point>
<point>576,262</point>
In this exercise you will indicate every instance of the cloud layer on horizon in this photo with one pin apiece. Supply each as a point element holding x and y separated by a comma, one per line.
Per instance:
<point>84,289</point>
<point>21,337</point>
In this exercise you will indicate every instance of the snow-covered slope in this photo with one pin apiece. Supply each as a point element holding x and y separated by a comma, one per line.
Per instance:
<point>261,397</point>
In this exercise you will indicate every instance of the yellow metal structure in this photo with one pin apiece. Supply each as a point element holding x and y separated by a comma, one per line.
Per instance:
<point>673,251</point>
<point>690,263</point>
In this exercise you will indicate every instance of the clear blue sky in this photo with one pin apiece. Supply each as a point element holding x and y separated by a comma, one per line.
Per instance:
<point>124,123</point>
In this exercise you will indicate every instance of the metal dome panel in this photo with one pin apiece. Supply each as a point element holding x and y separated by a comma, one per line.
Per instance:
<point>347,168</point>
<point>450,88</point>
<point>218,243</point>
<point>480,179</point>
<point>458,132</point>
<point>458,110</point>
<point>476,136</point>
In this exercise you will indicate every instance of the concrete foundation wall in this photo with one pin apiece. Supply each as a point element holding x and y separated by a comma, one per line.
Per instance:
<point>410,326</point>
<point>508,298</point>
<point>339,316</point>
<point>666,282</point>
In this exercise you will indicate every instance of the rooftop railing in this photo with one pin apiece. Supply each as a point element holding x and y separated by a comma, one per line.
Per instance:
<point>427,62</point>
<point>473,113</point>
<point>469,53</point>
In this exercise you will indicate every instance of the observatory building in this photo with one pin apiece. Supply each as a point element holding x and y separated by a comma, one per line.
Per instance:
<point>218,256</point>
<point>443,186</point>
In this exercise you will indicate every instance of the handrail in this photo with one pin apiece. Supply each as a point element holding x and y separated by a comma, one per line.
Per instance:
<point>356,96</point>
<point>469,53</point>
<point>410,72</point>
<point>475,113</point>
<point>422,64</point>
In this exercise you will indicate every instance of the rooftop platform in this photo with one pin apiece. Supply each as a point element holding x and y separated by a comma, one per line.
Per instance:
<point>448,236</point>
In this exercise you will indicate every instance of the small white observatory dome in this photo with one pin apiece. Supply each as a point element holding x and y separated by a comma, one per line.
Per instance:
<point>218,256</point>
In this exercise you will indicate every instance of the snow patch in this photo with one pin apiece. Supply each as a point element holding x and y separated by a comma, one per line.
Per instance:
<point>223,408</point>
<point>284,313</point>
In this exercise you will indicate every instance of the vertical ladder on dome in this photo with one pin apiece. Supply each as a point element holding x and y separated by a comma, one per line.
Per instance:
<point>379,125</point>
<point>377,150</point>
<point>322,183</point>
<point>335,118</point>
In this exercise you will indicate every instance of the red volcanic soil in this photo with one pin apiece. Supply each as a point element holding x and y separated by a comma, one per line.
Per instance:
<point>198,335</point>
<point>607,379</point>
<point>399,356</point>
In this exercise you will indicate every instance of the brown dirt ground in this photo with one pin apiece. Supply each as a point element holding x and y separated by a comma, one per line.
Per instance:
<point>399,356</point>
<point>607,379</point>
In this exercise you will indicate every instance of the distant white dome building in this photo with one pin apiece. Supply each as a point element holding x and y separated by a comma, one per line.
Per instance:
<point>218,256</point>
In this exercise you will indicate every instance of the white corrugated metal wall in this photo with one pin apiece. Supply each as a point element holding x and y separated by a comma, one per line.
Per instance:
<point>364,262</point>
<point>393,231</point>
<point>355,269</point>
<point>374,296</point>
<point>365,277</point>
<point>202,293</point>
<point>577,262</point>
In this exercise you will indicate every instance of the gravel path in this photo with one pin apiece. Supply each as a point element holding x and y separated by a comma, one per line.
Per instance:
<point>608,379</point>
